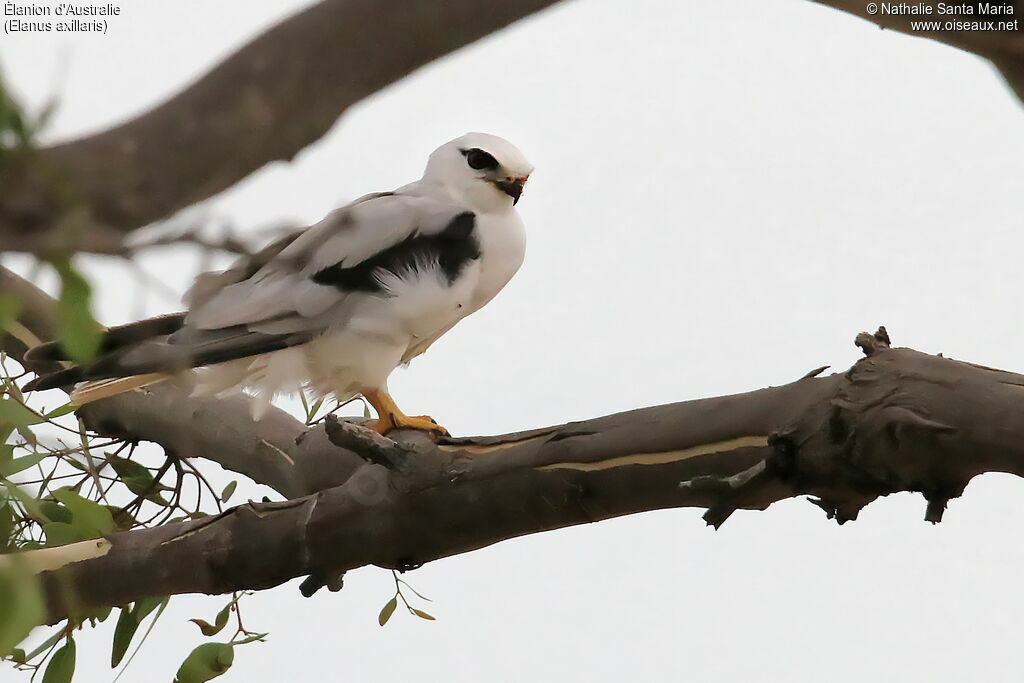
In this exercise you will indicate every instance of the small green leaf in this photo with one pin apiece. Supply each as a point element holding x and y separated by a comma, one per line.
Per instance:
<point>144,607</point>
<point>21,464</point>
<point>6,527</point>
<point>62,665</point>
<point>30,504</point>
<point>78,332</point>
<point>316,407</point>
<point>63,410</point>
<point>220,621</point>
<point>60,533</point>
<point>77,465</point>
<point>123,520</point>
<point>387,611</point>
<point>222,616</point>
<point>228,490</point>
<point>15,414</point>
<point>162,605</point>
<point>206,627</point>
<point>136,477</point>
<point>423,615</point>
<point>251,638</point>
<point>18,656</point>
<point>124,631</point>
<point>87,516</point>
<point>206,662</point>
<point>54,511</point>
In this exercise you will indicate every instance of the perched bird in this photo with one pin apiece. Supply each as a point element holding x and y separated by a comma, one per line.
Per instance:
<point>336,307</point>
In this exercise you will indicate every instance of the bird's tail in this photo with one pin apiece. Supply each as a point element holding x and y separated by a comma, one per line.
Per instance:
<point>87,392</point>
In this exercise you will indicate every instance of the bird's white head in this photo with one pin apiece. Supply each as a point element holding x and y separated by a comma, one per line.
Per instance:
<point>485,172</point>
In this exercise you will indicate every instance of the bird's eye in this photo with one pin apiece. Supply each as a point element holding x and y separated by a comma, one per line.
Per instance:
<point>479,159</point>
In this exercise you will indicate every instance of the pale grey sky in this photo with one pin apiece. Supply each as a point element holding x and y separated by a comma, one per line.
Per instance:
<point>726,193</point>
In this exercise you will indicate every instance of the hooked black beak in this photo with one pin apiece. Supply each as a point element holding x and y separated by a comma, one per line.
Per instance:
<point>513,187</point>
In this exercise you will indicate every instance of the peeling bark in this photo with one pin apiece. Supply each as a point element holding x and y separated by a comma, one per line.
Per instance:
<point>898,420</point>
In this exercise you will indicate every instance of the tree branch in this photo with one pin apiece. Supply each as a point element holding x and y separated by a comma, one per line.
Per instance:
<point>277,450</point>
<point>898,420</point>
<point>278,94</point>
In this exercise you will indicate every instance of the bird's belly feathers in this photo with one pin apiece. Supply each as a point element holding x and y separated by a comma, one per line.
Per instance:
<point>421,306</point>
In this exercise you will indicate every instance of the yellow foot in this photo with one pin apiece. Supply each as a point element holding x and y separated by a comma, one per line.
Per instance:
<point>390,417</point>
<point>386,424</point>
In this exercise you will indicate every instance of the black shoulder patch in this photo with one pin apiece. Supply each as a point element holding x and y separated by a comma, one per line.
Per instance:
<point>460,227</point>
<point>452,249</point>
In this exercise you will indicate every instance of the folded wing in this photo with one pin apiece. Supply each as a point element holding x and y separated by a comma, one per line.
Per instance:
<point>287,294</point>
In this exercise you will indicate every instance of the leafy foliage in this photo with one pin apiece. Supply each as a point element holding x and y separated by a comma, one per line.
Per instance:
<point>60,484</point>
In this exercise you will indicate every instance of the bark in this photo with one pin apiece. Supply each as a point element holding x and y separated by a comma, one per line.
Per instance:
<point>898,420</point>
<point>278,94</point>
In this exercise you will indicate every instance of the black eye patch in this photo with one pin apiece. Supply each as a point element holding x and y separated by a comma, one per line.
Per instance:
<point>479,159</point>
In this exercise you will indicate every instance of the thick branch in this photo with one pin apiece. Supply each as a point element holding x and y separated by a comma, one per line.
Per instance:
<point>897,420</point>
<point>276,450</point>
<point>275,96</point>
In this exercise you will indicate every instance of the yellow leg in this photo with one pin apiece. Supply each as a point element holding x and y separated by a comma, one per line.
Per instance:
<point>390,417</point>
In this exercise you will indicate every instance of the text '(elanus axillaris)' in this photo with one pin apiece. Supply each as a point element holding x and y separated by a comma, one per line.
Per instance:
<point>336,307</point>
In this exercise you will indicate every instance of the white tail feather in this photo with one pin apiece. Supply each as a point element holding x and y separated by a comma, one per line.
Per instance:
<point>87,392</point>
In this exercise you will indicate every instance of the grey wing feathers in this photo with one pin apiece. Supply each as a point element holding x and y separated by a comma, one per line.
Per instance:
<point>207,285</point>
<point>281,293</point>
<point>171,353</point>
<point>265,302</point>
<point>114,337</point>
